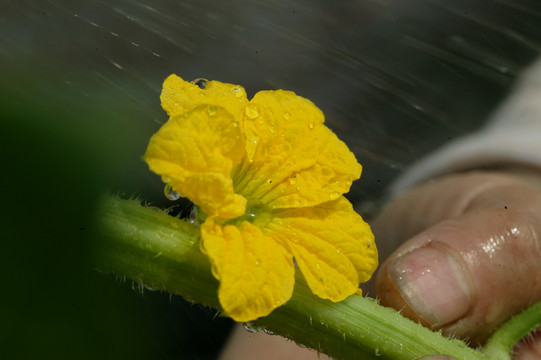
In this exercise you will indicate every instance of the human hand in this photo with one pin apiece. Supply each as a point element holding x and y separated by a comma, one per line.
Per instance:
<point>470,256</point>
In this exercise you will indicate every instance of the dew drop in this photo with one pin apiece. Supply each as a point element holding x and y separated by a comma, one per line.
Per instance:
<point>292,181</point>
<point>202,83</point>
<point>251,111</point>
<point>301,345</point>
<point>170,193</point>
<point>251,328</point>
<point>268,332</point>
<point>287,115</point>
<point>192,218</point>
<point>211,110</point>
<point>235,123</point>
<point>237,91</point>
<point>311,125</point>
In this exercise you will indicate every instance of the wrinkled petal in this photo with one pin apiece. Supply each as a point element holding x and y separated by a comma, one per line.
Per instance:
<point>256,274</point>
<point>332,245</point>
<point>295,160</point>
<point>179,96</point>
<point>195,152</point>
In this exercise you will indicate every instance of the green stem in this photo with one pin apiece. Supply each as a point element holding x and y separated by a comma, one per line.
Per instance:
<point>501,343</point>
<point>155,249</point>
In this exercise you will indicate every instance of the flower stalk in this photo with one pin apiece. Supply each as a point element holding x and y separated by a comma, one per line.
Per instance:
<point>157,250</point>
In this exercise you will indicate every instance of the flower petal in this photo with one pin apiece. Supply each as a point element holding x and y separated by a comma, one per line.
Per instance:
<point>296,161</point>
<point>256,274</point>
<point>179,96</point>
<point>332,245</point>
<point>195,153</point>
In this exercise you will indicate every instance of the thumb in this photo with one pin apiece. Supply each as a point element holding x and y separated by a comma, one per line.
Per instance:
<point>470,261</point>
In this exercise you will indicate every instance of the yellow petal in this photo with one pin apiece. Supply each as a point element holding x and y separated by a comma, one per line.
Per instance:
<point>256,274</point>
<point>296,161</point>
<point>179,96</point>
<point>332,245</point>
<point>195,152</point>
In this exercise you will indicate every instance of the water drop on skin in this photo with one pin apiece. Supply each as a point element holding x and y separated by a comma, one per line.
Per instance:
<point>170,193</point>
<point>200,82</point>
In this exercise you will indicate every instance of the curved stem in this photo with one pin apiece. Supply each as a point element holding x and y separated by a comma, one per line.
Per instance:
<point>162,252</point>
<point>501,343</point>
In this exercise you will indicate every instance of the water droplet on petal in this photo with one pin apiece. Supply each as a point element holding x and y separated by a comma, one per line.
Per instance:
<point>334,196</point>
<point>311,124</point>
<point>235,123</point>
<point>192,218</point>
<point>251,216</point>
<point>202,83</point>
<point>237,91</point>
<point>287,116</point>
<point>211,110</point>
<point>170,193</point>
<point>251,111</point>
<point>251,328</point>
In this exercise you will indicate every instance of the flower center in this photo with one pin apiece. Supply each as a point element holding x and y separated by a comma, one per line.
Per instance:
<point>254,214</point>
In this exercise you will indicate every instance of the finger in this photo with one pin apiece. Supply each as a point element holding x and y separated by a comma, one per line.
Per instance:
<point>478,262</point>
<point>243,345</point>
<point>427,205</point>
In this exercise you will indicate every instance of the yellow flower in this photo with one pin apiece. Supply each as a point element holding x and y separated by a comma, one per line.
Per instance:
<point>269,176</point>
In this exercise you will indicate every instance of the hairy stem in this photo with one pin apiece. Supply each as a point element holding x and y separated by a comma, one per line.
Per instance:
<point>501,343</point>
<point>155,249</point>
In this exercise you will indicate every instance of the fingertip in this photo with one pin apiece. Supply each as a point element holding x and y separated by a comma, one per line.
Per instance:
<point>429,284</point>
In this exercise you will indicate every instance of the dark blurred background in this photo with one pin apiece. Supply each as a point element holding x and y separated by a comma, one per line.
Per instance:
<point>79,99</point>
